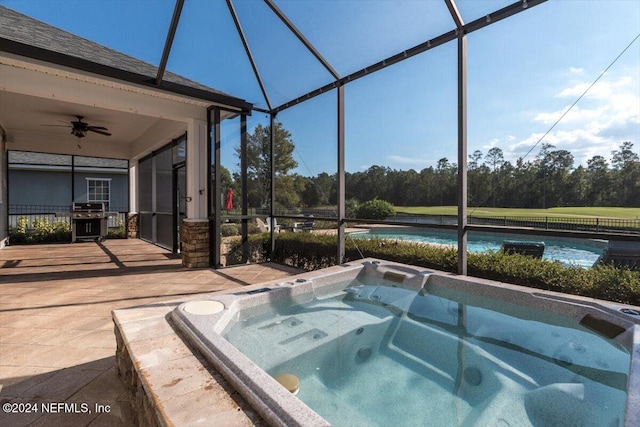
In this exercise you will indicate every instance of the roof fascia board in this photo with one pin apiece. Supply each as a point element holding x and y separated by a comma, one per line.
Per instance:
<point>21,49</point>
<point>34,78</point>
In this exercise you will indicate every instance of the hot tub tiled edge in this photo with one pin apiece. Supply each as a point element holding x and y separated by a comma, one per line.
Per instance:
<point>166,383</point>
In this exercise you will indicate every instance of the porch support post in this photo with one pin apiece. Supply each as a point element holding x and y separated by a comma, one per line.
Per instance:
<point>196,164</point>
<point>195,233</point>
<point>132,220</point>
<point>133,186</point>
<point>341,178</point>
<point>216,201</point>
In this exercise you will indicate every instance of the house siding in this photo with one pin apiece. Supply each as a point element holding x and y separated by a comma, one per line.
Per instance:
<point>31,188</point>
<point>36,188</point>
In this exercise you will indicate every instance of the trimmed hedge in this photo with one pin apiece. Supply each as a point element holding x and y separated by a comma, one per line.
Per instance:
<point>43,231</point>
<point>39,231</point>
<point>309,251</point>
<point>234,229</point>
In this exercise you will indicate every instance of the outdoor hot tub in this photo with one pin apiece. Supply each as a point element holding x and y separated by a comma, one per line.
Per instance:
<point>380,343</point>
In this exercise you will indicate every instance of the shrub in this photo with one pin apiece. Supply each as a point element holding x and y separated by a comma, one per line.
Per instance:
<point>59,231</point>
<point>228,230</point>
<point>19,234</point>
<point>324,225</point>
<point>309,251</point>
<point>40,231</point>
<point>258,247</point>
<point>118,232</point>
<point>375,209</point>
<point>22,225</point>
<point>351,207</point>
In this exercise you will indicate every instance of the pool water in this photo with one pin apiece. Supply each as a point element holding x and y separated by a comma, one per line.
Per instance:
<point>567,253</point>
<point>375,354</point>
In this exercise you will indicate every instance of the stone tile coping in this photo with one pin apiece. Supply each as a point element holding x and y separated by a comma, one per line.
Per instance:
<point>169,384</point>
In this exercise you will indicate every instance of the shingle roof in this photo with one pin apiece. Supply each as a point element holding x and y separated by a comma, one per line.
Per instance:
<point>23,35</point>
<point>36,158</point>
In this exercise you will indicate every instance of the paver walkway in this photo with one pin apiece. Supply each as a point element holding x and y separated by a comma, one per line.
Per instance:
<point>56,333</point>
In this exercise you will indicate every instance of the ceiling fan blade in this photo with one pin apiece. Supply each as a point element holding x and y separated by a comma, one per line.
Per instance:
<point>97,127</point>
<point>92,129</point>
<point>60,126</point>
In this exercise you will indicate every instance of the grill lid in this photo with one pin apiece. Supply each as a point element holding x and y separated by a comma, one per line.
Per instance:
<point>87,207</point>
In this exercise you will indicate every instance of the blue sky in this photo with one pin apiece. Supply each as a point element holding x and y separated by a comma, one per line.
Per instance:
<point>523,72</point>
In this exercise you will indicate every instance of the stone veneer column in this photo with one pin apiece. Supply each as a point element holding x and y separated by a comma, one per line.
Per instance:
<point>133,227</point>
<point>194,234</point>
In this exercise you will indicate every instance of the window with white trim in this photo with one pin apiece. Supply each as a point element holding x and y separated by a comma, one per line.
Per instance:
<point>99,190</point>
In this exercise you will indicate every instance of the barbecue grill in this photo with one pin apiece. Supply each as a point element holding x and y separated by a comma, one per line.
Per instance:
<point>88,221</point>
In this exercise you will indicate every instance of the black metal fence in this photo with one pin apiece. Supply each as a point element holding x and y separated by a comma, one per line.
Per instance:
<point>55,213</point>
<point>598,225</point>
<point>591,224</point>
<point>565,223</point>
<point>38,209</point>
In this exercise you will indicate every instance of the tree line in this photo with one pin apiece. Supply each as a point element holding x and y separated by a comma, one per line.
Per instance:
<point>548,180</point>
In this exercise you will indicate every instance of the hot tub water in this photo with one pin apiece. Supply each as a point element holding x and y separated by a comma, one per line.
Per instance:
<point>377,354</point>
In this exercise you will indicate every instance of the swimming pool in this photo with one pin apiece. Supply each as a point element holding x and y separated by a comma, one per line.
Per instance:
<point>379,343</point>
<point>568,252</point>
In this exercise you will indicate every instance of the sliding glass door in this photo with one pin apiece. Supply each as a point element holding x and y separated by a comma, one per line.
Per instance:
<point>162,195</point>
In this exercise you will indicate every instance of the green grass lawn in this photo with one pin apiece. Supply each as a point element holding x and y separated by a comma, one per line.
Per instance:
<point>599,212</point>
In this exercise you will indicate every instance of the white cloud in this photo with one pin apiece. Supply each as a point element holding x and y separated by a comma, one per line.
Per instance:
<point>601,90</point>
<point>575,70</point>
<point>575,114</point>
<point>409,160</point>
<point>606,116</point>
<point>583,143</point>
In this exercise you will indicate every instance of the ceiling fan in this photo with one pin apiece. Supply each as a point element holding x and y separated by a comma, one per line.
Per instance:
<point>80,128</point>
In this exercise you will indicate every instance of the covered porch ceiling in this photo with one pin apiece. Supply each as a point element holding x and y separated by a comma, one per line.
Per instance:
<point>36,124</point>
<point>38,101</point>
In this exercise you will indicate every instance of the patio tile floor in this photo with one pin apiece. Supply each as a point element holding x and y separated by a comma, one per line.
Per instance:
<point>56,331</point>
